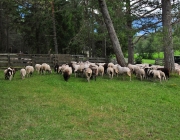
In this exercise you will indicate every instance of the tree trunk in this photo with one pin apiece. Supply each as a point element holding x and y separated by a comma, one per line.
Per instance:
<point>112,33</point>
<point>130,36</point>
<point>54,28</point>
<point>130,50</point>
<point>167,35</point>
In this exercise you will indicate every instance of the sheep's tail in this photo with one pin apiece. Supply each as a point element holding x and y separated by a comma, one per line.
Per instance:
<point>89,74</point>
<point>66,75</point>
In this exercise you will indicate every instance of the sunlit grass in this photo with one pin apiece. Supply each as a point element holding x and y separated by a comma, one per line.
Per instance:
<point>47,107</point>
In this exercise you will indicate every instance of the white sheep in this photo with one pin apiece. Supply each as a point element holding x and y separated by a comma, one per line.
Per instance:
<point>162,74</point>
<point>156,74</point>
<point>45,67</point>
<point>101,70</point>
<point>38,67</point>
<point>115,70</point>
<point>110,72</point>
<point>124,70</point>
<point>132,67</point>
<point>29,70</point>
<point>88,73</point>
<point>78,68</point>
<point>110,64</point>
<point>139,72</point>
<point>177,70</point>
<point>23,73</point>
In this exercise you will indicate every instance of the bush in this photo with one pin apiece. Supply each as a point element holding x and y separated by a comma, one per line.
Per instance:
<point>138,60</point>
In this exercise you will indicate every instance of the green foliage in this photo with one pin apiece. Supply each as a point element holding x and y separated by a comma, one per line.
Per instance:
<point>138,60</point>
<point>47,107</point>
<point>149,45</point>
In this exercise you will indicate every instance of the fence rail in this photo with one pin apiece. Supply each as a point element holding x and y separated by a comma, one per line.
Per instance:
<point>159,61</point>
<point>22,60</point>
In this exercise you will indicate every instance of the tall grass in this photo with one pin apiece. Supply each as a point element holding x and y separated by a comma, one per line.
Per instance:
<point>47,107</point>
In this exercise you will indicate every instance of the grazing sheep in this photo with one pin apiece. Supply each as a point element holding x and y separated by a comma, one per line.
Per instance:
<point>62,68</point>
<point>115,70</point>
<point>139,72</point>
<point>23,73</point>
<point>101,70</point>
<point>165,70</point>
<point>147,72</point>
<point>156,74</point>
<point>94,71</point>
<point>177,70</point>
<point>110,72</point>
<point>151,73</point>
<point>105,67</point>
<point>88,73</point>
<point>143,65</point>
<point>67,72</point>
<point>124,70</point>
<point>78,68</point>
<point>110,64</point>
<point>38,67</point>
<point>9,73</point>
<point>132,67</point>
<point>29,70</point>
<point>45,67</point>
<point>163,76</point>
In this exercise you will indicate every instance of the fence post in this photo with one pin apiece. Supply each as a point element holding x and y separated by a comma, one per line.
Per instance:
<point>8,56</point>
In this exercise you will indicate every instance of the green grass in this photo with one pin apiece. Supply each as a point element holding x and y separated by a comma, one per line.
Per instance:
<point>46,107</point>
<point>148,61</point>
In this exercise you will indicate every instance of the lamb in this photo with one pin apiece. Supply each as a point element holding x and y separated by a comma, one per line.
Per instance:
<point>67,72</point>
<point>29,70</point>
<point>124,70</point>
<point>9,73</point>
<point>88,73</point>
<point>45,67</point>
<point>23,73</point>
<point>38,67</point>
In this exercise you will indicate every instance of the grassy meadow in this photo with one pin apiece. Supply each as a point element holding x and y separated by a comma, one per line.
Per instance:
<point>45,107</point>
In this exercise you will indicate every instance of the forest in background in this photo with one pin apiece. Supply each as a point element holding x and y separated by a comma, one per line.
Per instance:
<point>31,26</point>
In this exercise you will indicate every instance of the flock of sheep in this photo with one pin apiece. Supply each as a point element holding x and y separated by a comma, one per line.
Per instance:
<point>92,70</point>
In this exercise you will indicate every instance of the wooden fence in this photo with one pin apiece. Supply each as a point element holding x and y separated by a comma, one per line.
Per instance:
<point>22,60</point>
<point>159,61</point>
